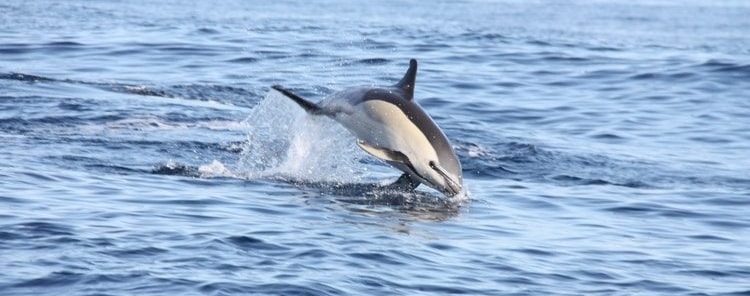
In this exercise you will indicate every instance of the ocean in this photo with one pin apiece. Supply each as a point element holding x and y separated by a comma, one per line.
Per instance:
<point>605,148</point>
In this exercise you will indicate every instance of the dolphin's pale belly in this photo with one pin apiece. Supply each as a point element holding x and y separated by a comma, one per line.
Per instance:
<point>384,125</point>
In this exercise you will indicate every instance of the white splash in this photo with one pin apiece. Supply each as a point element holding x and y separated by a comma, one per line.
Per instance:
<point>284,141</point>
<point>214,169</point>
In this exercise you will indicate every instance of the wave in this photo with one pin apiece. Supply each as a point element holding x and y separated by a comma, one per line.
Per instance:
<point>283,143</point>
<point>534,163</point>
<point>223,94</point>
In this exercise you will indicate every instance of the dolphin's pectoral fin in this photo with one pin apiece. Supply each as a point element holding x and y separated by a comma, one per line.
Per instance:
<point>310,107</point>
<point>405,182</point>
<point>395,158</point>
<point>382,153</point>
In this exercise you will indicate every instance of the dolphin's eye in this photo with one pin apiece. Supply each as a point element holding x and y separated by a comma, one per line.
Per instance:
<point>432,165</point>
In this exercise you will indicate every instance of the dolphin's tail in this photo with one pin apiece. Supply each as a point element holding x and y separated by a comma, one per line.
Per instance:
<point>310,107</point>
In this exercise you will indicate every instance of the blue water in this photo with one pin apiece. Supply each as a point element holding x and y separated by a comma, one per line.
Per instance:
<point>605,147</point>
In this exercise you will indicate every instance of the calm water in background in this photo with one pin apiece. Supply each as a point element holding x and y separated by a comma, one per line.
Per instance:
<point>604,145</point>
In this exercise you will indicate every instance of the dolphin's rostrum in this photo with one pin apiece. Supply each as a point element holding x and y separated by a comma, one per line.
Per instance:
<point>391,126</point>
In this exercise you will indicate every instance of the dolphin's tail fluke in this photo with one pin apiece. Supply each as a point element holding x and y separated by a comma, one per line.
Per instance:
<point>310,107</point>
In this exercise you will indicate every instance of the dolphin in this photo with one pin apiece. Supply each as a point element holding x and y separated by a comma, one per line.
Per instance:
<point>391,126</point>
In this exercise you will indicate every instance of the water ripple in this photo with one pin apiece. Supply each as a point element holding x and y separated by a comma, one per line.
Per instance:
<point>142,152</point>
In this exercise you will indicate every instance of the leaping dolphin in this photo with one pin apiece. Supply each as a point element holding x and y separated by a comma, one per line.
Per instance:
<point>391,126</point>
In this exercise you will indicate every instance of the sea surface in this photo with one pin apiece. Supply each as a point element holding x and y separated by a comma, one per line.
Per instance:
<point>605,148</point>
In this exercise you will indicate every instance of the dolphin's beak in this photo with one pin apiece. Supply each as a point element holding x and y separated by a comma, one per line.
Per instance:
<point>453,187</point>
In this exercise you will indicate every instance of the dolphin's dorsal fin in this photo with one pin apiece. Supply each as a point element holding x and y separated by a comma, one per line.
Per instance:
<point>407,83</point>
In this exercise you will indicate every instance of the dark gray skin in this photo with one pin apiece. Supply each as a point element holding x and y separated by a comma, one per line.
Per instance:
<point>392,133</point>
